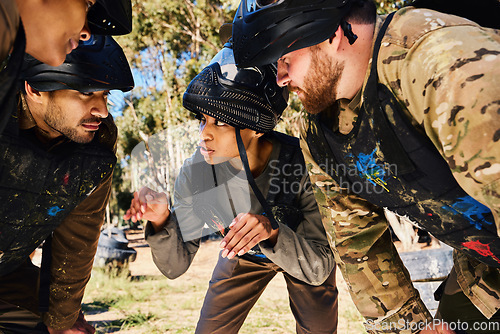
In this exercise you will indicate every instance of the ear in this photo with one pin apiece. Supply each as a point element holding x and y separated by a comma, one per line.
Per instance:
<point>336,39</point>
<point>32,94</point>
<point>258,134</point>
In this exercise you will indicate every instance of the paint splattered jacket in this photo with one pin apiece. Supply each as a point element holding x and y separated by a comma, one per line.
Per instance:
<point>444,72</point>
<point>74,241</point>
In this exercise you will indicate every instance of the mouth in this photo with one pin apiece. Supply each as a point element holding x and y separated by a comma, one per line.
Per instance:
<point>206,150</point>
<point>91,126</point>
<point>296,90</point>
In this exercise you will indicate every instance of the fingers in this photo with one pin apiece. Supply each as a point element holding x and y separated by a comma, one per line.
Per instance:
<point>136,209</point>
<point>138,205</point>
<point>246,231</point>
<point>149,205</point>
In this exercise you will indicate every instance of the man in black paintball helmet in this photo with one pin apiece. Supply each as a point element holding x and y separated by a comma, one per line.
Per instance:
<point>249,183</point>
<point>57,158</point>
<point>49,30</point>
<point>265,30</point>
<point>404,118</point>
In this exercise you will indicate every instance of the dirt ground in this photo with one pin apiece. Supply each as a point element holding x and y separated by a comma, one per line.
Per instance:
<point>200,271</point>
<point>202,266</point>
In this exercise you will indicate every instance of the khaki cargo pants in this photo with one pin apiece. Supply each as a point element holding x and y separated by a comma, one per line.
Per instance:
<point>237,284</point>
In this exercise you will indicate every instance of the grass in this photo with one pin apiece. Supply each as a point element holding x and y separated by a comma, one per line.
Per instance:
<point>116,302</point>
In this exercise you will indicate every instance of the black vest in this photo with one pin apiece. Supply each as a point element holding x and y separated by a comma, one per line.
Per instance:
<point>38,189</point>
<point>283,202</point>
<point>389,162</point>
<point>9,77</point>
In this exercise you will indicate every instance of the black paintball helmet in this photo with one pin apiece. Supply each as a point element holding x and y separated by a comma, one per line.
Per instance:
<point>265,30</point>
<point>95,65</point>
<point>110,17</point>
<point>241,97</point>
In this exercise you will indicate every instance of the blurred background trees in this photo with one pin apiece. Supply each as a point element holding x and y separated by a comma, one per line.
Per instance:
<point>171,41</point>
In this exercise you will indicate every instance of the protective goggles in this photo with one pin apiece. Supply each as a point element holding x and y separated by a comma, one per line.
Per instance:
<point>249,76</point>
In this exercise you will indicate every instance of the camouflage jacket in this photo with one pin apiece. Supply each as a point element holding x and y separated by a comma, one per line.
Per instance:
<point>445,72</point>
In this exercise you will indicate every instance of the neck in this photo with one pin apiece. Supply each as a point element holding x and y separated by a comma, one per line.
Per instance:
<point>357,59</point>
<point>258,153</point>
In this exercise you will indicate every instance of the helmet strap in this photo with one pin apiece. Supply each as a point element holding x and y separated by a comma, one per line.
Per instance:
<point>244,159</point>
<point>346,27</point>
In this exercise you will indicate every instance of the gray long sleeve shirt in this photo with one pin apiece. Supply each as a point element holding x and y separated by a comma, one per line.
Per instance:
<point>304,253</point>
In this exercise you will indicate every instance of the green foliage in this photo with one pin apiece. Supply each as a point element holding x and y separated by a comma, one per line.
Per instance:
<point>385,7</point>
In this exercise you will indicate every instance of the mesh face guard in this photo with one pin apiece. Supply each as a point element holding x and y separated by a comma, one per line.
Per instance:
<point>95,65</point>
<point>263,31</point>
<point>243,98</point>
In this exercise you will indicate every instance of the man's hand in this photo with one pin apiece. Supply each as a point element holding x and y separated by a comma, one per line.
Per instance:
<point>246,231</point>
<point>150,205</point>
<point>81,326</point>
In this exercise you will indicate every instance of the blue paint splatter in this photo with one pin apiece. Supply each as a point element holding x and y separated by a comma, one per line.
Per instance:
<point>369,169</point>
<point>54,211</point>
<point>472,210</point>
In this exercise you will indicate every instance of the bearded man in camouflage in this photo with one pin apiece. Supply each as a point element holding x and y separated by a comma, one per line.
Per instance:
<point>404,115</point>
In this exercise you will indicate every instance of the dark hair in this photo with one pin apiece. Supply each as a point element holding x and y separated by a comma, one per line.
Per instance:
<point>362,12</point>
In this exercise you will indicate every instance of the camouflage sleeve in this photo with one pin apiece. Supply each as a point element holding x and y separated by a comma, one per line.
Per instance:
<point>377,280</point>
<point>449,80</point>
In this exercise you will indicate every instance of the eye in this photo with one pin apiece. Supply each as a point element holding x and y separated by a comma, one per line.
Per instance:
<point>219,123</point>
<point>284,61</point>
<point>87,93</point>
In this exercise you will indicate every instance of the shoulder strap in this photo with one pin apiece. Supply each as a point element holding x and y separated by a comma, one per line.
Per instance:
<point>251,180</point>
<point>388,140</point>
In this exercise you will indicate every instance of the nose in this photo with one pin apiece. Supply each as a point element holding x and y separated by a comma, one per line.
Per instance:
<point>100,107</point>
<point>85,32</point>
<point>282,78</point>
<point>205,133</point>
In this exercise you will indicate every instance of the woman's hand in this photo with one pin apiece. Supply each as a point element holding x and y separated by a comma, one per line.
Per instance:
<point>246,231</point>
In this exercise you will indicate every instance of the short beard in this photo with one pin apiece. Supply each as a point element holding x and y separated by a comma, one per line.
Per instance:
<point>55,118</point>
<point>321,82</point>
